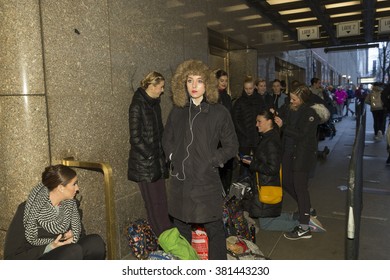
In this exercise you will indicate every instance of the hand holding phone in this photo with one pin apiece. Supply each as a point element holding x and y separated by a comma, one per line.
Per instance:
<point>246,159</point>
<point>63,238</point>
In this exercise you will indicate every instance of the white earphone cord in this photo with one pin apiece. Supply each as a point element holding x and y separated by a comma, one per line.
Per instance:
<point>191,123</point>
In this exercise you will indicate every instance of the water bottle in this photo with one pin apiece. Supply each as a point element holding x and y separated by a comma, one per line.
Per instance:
<point>253,233</point>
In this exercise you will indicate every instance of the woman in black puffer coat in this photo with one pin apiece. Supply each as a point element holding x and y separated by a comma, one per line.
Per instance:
<point>147,160</point>
<point>147,165</point>
<point>266,162</point>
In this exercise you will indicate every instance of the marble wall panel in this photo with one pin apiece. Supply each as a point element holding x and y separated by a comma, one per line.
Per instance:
<point>24,151</point>
<point>82,110</point>
<point>2,239</point>
<point>95,55</point>
<point>21,66</point>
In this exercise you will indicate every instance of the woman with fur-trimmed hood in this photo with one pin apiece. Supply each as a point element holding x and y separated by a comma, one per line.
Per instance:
<point>299,123</point>
<point>195,126</point>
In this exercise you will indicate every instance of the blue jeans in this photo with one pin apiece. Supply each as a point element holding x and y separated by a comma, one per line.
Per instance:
<point>284,222</point>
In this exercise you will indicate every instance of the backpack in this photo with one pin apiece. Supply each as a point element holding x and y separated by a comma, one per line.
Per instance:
<point>375,100</point>
<point>142,240</point>
<point>234,220</point>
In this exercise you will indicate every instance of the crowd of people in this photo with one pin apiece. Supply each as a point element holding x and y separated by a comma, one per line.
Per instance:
<point>206,137</point>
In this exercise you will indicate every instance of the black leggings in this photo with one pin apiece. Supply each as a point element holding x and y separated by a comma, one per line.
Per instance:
<point>155,199</point>
<point>296,184</point>
<point>379,118</point>
<point>90,247</point>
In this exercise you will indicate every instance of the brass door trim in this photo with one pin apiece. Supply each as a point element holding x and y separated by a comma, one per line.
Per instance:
<point>109,199</point>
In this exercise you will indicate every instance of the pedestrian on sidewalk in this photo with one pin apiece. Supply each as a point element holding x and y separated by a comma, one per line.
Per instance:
<point>377,109</point>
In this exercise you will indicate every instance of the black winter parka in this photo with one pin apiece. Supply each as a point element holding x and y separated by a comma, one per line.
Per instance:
<point>191,140</point>
<point>266,161</point>
<point>146,157</point>
<point>245,111</point>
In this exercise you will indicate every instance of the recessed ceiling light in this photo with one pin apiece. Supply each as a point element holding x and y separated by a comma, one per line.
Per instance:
<point>249,17</point>
<point>383,9</point>
<point>343,4</point>
<point>274,2</point>
<point>259,25</point>
<point>193,15</point>
<point>234,8</point>
<point>295,11</point>
<point>213,23</point>
<point>227,30</point>
<point>345,14</point>
<point>174,3</point>
<point>302,19</point>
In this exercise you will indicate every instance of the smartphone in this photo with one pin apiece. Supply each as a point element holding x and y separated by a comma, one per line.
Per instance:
<point>62,239</point>
<point>247,157</point>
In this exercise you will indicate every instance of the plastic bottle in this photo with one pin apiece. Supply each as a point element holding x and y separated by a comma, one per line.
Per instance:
<point>253,233</point>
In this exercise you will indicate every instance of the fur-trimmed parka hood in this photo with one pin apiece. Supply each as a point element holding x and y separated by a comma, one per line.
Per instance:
<point>180,95</point>
<point>321,111</point>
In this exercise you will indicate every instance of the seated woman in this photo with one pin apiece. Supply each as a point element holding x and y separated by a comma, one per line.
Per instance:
<point>48,227</point>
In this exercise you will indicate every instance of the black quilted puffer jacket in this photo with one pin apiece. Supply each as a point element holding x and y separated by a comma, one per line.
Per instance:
<point>146,157</point>
<point>245,110</point>
<point>267,160</point>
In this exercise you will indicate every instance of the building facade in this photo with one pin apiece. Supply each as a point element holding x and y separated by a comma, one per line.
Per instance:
<point>69,70</point>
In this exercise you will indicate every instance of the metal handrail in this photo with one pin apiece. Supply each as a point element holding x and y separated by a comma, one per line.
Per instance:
<point>109,199</point>
<point>355,188</point>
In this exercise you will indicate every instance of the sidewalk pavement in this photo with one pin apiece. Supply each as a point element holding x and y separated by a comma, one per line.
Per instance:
<point>328,197</point>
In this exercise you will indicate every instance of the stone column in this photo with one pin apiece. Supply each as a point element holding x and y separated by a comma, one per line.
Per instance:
<point>24,143</point>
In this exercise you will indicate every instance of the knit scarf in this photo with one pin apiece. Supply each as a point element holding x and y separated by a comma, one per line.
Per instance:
<point>40,213</point>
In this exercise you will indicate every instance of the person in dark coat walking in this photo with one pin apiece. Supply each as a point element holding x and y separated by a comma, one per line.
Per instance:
<point>195,127</point>
<point>147,165</point>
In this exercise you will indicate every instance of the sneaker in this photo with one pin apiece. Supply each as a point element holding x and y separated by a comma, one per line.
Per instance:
<point>315,225</point>
<point>298,233</point>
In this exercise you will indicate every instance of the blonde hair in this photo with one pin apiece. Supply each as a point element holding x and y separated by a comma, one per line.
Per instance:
<point>303,93</point>
<point>249,79</point>
<point>153,78</point>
